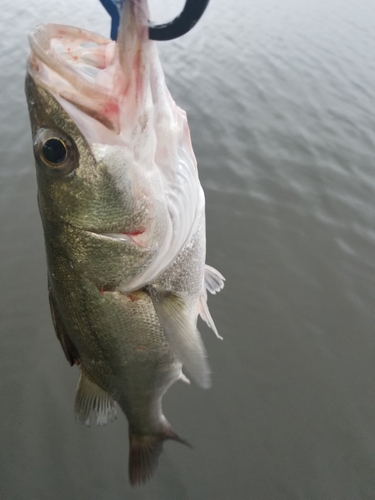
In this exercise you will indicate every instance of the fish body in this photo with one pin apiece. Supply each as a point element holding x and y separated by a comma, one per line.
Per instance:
<point>124,224</point>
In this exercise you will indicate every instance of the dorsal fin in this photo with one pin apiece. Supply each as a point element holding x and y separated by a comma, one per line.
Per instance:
<point>69,348</point>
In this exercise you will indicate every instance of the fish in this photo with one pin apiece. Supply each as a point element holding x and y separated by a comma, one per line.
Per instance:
<point>123,215</point>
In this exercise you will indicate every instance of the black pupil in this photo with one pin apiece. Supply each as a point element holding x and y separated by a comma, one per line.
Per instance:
<point>54,151</point>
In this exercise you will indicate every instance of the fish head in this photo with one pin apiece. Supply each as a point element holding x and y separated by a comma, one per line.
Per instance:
<point>87,164</point>
<point>112,149</point>
<point>78,184</point>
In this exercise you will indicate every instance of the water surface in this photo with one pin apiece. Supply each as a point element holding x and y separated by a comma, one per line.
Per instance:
<point>280,98</point>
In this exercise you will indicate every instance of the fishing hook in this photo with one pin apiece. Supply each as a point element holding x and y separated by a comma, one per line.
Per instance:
<point>190,15</point>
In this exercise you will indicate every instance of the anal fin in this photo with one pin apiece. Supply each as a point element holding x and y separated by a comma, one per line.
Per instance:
<point>180,328</point>
<point>92,399</point>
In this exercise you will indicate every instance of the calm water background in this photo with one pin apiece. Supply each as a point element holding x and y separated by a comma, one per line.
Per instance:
<point>280,97</point>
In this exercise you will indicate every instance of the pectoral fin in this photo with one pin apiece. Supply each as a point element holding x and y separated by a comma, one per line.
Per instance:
<point>213,279</point>
<point>91,398</point>
<point>180,328</point>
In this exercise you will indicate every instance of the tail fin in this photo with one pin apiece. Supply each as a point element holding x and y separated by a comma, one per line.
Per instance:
<point>144,454</point>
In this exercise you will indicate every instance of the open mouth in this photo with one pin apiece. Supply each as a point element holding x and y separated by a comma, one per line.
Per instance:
<point>74,65</point>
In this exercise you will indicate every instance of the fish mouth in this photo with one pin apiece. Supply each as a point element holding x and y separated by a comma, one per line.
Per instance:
<point>97,81</point>
<point>73,64</point>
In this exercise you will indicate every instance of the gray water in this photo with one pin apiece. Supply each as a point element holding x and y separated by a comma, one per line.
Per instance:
<point>280,98</point>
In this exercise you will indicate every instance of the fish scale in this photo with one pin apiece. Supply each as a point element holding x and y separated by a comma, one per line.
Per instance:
<point>124,226</point>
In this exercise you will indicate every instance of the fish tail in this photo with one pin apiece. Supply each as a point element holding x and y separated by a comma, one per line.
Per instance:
<point>144,454</point>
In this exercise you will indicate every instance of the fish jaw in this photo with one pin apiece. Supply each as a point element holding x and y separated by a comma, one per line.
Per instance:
<point>102,84</point>
<point>60,61</point>
<point>103,195</point>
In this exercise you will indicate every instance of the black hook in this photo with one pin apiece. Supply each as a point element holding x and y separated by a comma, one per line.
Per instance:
<point>190,15</point>
<point>183,23</point>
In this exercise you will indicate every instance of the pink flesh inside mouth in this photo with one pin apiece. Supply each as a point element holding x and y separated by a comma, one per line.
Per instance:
<point>99,83</point>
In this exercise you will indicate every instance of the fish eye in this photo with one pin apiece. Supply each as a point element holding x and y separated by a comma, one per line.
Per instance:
<point>56,150</point>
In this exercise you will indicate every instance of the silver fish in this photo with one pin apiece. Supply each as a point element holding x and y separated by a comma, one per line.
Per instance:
<point>123,215</point>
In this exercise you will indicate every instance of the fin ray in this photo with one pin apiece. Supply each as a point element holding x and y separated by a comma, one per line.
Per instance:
<point>183,336</point>
<point>144,453</point>
<point>90,398</point>
<point>213,279</point>
<point>143,457</point>
<point>206,315</point>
